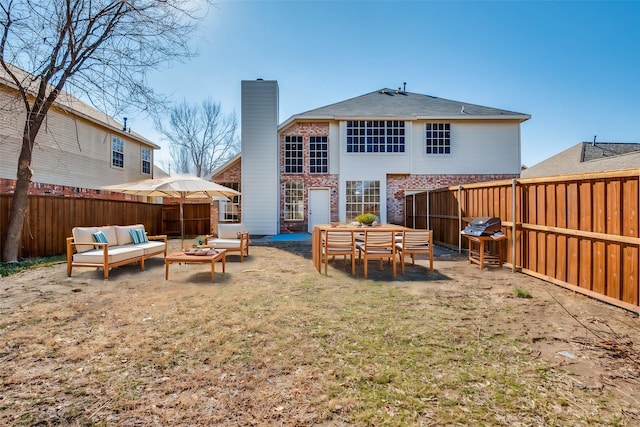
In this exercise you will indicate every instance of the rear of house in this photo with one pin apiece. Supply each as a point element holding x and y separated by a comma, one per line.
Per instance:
<point>364,154</point>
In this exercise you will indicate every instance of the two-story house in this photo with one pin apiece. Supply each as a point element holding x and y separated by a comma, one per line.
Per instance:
<point>362,155</point>
<point>78,149</point>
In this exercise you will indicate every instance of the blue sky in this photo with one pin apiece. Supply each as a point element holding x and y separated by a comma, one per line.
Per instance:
<point>574,66</point>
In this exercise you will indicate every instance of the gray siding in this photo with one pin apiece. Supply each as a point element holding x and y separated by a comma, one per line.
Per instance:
<point>260,168</point>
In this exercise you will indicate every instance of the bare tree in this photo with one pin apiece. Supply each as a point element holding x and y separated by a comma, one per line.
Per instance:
<point>99,50</point>
<point>201,138</point>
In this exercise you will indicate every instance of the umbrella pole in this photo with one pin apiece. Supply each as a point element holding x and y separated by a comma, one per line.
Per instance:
<point>181,226</point>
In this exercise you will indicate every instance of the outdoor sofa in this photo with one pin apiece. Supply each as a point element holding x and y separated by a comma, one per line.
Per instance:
<point>232,237</point>
<point>110,246</point>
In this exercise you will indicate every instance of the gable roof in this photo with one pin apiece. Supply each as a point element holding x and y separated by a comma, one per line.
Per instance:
<point>588,157</point>
<point>67,102</point>
<point>406,105</point>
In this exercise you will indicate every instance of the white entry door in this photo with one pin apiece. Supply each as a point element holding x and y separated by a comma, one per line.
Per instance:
<point>319,207</point>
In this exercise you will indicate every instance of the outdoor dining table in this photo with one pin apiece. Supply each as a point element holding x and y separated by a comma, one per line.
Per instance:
<point>316,236</point>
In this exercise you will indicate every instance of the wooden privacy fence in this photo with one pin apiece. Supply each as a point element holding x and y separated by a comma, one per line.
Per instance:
<point>577,231</point>
<point>50,220</point>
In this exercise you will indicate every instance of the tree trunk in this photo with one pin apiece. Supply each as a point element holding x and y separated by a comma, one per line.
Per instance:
<point>19,202</point>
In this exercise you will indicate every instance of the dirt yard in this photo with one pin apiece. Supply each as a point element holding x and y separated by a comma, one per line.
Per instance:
<point>271,342</point>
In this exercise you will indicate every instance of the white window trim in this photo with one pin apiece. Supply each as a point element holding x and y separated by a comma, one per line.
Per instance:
<point>115,139</point>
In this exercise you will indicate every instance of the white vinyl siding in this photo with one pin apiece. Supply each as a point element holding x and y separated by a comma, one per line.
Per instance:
<point>69,151</point>
<point>260,165</point>
<point>477,147</point>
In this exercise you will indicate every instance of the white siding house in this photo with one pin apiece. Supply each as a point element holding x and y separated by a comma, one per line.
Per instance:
<point>365,153</point>
<point>77,146</point>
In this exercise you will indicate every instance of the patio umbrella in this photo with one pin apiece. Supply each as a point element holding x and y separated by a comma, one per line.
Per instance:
<point>178,186</point>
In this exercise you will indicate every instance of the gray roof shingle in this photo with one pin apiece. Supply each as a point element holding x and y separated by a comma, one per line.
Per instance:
<point>396,103</point>
<point>587,157</point>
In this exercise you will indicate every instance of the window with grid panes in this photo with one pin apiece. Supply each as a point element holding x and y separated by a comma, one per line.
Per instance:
<point>438,138</point>
<point>293,201</point>
<point>362,197</point>
<point>293,154</point>
<point>146,161</point>
<point>375,136</point>
<point>117,152</point>
<point>318,154</point>
<point>229,210</point>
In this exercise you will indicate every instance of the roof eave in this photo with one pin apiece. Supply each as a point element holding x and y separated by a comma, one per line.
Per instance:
<point>518,117</point>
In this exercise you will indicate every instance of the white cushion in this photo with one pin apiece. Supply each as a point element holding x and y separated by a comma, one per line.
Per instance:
<point>84,235</point>
<point>116,254</point>
<point>229,231</point>
<point>151,247</point>
<point>224,243</point>
<point>123,235</point>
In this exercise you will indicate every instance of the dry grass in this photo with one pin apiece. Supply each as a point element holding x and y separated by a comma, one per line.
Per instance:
<point>273,342</point>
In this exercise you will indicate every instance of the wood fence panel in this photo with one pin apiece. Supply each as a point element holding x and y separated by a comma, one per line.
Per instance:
<point>573,242</point>
<point>421,202</point>
<point>585,208</point>
<point>579,231</point>
<point>561,240</point>
<point>599,248</point>
<point>613,261</point>
<point>541,209</point>
<point>630,253</point>
<point>551,246</point>
<point>50,219</point>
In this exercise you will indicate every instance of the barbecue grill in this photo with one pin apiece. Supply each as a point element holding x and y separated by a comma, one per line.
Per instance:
<point>482,226</point>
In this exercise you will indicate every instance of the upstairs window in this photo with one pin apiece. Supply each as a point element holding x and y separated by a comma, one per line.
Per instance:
<point>318,154</point>
<point>438,138</point>
<point>293,155</point>
<point>375,136</point>
<point>117,152</point>
<point>146,161</point>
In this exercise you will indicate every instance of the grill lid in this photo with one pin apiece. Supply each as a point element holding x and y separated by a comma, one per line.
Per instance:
<point>482,226</point>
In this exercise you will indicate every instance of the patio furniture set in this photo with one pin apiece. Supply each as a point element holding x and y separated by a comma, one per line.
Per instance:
<point>112,246</point>
<point>380,242</point>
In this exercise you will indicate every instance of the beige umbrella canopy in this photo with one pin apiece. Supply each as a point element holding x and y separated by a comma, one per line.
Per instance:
<point>179,186</point>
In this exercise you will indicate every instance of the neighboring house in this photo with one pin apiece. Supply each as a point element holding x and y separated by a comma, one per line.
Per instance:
<point>363,155</point>
<point>588,157</point>
<point>77,150</point>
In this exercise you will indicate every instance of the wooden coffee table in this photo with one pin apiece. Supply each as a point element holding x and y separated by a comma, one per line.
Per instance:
<point>221,254</point>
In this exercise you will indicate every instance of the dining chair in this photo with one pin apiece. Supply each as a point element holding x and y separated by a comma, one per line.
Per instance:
<point>415,242</point>
<point>380,245</point>
<point>337,242</point>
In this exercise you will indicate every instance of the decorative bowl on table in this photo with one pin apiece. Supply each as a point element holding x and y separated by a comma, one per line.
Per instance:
<point>197,251</point>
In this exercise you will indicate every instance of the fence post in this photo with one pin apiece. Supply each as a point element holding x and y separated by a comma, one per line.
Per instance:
<point>459,218</point>
<point>428,213</point>
<point>513,225</point>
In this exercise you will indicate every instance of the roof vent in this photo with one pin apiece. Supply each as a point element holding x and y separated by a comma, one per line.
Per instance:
<point>462,110</point>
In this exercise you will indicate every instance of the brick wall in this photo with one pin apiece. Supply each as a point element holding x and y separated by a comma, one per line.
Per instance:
<point>306,130</point>
<point>7,186</point>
